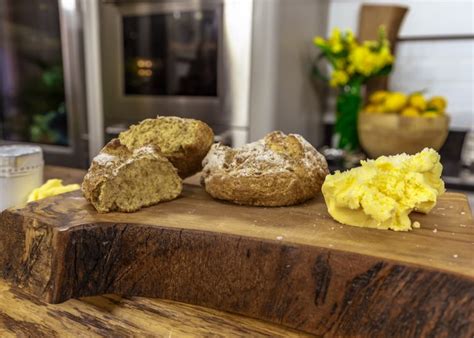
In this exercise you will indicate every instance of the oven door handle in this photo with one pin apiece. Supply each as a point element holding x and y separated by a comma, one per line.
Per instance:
<point>123,2</point>
<point>146,7</point>
<point>118,2</point>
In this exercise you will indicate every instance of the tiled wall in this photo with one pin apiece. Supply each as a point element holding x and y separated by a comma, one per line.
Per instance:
<point>436,51</point>
<point>441,67</point>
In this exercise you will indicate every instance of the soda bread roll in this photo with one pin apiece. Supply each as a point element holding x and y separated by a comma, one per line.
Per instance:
<point>124,180</point>
<point>185,142</point>
<point>278,170</point>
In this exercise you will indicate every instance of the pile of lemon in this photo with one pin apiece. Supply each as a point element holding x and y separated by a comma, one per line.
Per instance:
<point>412,105</point>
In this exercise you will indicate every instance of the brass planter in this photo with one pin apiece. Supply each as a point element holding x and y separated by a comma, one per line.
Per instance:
<point>390,134</point>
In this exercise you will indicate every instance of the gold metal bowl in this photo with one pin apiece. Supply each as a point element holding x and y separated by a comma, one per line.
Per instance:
<point>390,134</point>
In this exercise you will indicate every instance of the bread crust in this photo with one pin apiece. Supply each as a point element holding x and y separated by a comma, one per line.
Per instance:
<point>107,165</point>
<point>184,142</point>
<point>99,171</point>
<point>279,170</point>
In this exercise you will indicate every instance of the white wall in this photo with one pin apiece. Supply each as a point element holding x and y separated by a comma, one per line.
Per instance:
<point>426,17</point>
<point>442,66</point>
<point>282,96</point>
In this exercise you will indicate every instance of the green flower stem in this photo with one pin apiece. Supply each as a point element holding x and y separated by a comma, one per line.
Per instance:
<point>349,101</point>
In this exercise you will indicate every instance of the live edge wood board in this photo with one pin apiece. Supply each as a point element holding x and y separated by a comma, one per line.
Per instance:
<point>293,266</point>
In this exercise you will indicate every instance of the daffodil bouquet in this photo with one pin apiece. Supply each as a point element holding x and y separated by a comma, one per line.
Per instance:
<point>352,63</point>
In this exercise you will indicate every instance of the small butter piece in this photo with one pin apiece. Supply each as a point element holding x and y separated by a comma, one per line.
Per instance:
<point>383,192</point>
<point>52,187</point>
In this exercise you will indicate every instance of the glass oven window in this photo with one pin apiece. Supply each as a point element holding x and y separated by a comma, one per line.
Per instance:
<point>32,99</point>
<point>171,53</point>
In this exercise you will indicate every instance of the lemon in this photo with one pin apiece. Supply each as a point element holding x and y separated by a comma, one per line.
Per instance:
<point>378,96</point>
<point>437,103</point>
<point>417,101</point>
<point>430,114</point>
<point>395,102</point>
<point>371,108</point>
<point>410,112</point>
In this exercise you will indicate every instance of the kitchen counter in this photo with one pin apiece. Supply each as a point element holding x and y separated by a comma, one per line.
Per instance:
<point>111,315</point>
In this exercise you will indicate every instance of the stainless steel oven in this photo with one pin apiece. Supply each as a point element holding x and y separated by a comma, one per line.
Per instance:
<point>42,98</point>
<point>162,58</point>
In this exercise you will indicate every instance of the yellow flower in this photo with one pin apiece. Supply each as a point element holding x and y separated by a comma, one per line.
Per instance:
<point>370,44</point>
<point>336,47</point>
<point>384,57</point>
<point>339,63</point>
<point>350,39</point>
<point>430,114</point>
<point>338,78</point>
<point>350,69</point>
<point>319,41</point>
<point>395,102</point>
<point>410,112</point>
<point>417,100</point>
<point>363,59</point>
<point>349,36</point>
<point>378,96</point>
<point>370,57</point>
<point>335,35</point>
<point>335,42</point>
<point>437,103</point>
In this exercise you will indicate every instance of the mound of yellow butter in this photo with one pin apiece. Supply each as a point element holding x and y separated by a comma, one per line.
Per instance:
<point>383,192</point>
<point>52,187</point>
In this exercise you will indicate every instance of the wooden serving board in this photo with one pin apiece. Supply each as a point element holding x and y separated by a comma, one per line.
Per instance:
<point>293,266</point>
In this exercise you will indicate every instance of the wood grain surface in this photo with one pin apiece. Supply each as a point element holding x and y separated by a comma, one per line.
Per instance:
<point>22,315</point>
<point>293,266</point>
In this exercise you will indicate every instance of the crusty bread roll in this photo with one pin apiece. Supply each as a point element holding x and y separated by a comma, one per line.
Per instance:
<point>124,180</point>
<point>278,170</point>
<point>185,142</point>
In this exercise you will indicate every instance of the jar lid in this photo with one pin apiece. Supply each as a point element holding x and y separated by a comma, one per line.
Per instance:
<point>19,159</point>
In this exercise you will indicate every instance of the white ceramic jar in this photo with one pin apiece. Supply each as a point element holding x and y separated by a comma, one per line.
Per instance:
<point>21,171</point>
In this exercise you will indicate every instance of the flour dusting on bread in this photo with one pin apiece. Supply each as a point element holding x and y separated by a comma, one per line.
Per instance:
<point>276,170</point>
<point>105,159</point>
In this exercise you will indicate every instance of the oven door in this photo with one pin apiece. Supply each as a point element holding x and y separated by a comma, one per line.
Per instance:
<point>162,58</point>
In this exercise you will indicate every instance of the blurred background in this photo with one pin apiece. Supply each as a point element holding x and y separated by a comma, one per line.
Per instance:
<point>74,73</point>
